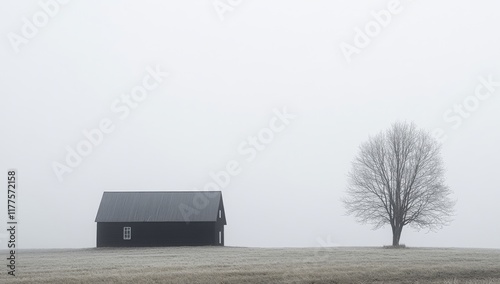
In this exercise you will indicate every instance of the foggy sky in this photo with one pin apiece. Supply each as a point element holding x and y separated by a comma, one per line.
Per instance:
<point>227,80</point>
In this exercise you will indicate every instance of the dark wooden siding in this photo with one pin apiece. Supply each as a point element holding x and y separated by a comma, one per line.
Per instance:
<point>219,228</point>
<point>160,234</point>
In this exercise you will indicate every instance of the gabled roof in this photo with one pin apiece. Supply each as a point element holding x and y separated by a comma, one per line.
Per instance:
<point>160,206</point>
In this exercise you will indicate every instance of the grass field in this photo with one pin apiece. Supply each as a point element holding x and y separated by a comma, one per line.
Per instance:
<point>256,265</point>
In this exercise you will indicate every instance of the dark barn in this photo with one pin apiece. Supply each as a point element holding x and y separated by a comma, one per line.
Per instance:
<point>160,218</point>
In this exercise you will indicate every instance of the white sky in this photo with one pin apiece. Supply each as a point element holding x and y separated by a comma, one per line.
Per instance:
<point>225,79</point>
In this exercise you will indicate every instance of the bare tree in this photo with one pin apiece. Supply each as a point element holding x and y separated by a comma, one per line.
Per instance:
<point>398,179</point>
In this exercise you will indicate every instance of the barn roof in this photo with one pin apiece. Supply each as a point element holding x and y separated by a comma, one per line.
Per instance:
<point>160,206</point>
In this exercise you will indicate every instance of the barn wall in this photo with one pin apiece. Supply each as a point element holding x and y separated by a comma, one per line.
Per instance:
<point>218,227</point>
<point>159,234</point>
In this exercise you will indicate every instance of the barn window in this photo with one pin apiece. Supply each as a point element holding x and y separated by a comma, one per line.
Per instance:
<point>127,233</point>
<point>220,213</point>
<point>220,237</point>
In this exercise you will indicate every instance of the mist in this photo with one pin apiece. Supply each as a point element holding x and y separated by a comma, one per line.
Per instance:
<point>164,96</point>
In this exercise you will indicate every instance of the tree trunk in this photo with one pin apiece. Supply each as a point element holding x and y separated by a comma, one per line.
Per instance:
<point>396,235</point>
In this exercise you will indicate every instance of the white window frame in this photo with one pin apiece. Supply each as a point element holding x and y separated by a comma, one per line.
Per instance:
<point>220,214</point>
<point>220,237</point>
<point>127,233</point>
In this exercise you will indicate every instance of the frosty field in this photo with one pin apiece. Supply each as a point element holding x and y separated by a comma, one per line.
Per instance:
<point>255,265</point>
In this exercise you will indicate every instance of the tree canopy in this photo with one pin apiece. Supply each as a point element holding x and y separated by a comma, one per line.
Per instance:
<point>397,179</point>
